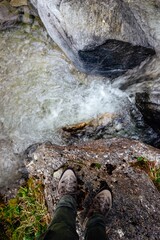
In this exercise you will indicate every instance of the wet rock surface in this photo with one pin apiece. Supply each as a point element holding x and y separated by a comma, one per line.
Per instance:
<point>10,164</point>
<point>136,206</point>
<point>146,89</point>
<point>142,79</point>
<point>105,126</point>
<point>149,105</point>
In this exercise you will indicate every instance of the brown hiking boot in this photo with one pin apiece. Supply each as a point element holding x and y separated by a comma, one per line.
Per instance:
<point>67,183</point>
<point>102,203</point>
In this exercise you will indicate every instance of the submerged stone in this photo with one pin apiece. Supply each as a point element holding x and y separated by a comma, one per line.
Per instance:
<point>127,123</point>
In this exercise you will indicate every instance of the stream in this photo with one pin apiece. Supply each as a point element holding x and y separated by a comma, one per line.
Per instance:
<point>41,91</point>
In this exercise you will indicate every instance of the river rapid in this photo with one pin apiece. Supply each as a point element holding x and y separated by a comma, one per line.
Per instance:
<point>41,91</point>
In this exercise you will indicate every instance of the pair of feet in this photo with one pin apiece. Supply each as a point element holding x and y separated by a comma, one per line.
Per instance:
<point>102,202</point>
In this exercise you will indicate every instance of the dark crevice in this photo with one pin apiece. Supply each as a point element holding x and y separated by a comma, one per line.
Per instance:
<point>110,168</point>
<point>114,58</point>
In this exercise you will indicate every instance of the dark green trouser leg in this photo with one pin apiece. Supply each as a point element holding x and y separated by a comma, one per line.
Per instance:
<point>95,228</point>
<point>63,226</point>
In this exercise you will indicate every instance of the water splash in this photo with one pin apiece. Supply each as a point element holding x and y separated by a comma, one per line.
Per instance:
<point>40,93</point>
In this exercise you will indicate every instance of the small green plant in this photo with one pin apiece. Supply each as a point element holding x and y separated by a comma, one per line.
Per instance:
<point>96,165</point>
<point>141,159</point>
<point>151,168</point>
<point>155,173</point>
<point>25,217</point>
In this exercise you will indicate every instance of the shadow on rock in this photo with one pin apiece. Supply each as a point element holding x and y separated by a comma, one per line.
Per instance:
<point>149,105</point>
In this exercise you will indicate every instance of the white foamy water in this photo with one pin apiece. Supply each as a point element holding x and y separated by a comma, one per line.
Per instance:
<point>41,91</point>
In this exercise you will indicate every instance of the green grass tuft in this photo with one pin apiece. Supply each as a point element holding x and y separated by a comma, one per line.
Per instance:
<point>151,168</point>
<point>25,216</point>
<point>96,165</point>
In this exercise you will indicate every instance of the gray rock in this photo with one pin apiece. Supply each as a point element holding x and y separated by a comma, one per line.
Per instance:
<point>149,105</point>
<point>11,14</point>
<point>136,206</point>
<point>129,124</point>
<point>141,79</point>
<point>103,37</point>
<point>10,164</point>
<point>8,15</point>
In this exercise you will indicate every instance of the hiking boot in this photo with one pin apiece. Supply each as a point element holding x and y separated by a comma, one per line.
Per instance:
<point>67,183</point>
<point>102,203</point>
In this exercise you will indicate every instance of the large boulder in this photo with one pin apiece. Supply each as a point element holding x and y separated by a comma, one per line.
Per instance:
<point>136,206</point>
<point>103,37</point>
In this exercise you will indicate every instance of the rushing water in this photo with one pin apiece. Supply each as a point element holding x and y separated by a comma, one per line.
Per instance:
<point>41,91</point>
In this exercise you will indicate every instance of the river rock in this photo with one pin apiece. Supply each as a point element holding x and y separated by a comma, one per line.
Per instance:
<point>136,201</point>
<point>140,79</point>
<point>8,15</point>
<point>10,164</point>
<point>129,124</point>
<point>15,12</point>
<point>103,37</point>
<point>93,128</point>
<point>149,105</point>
